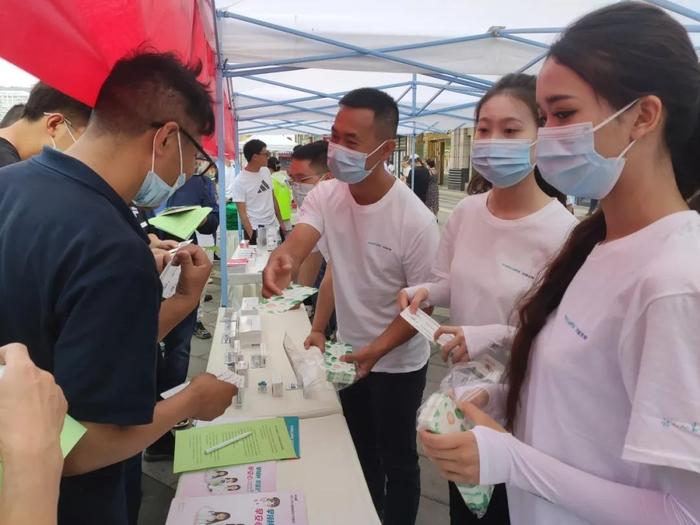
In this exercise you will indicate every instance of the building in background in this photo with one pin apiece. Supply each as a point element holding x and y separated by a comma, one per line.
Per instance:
<point>9,96</point>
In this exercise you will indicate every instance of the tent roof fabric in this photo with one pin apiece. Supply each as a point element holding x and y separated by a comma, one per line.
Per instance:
<point>289,64</point>
<point>73,44</point>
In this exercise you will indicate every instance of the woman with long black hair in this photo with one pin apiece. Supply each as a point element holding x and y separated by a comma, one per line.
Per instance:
<point>603,391</point>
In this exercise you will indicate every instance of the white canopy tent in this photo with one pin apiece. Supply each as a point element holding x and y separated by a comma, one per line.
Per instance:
<point>276,143</point>
<point>288,64</point>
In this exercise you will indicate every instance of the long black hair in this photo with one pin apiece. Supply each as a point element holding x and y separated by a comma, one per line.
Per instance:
<point>624,51</point>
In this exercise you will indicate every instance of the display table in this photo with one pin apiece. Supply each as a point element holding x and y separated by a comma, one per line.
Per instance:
<point>329,475</point>
<point>328,472</point>
<point>248,283</point>
<point>296,324</point>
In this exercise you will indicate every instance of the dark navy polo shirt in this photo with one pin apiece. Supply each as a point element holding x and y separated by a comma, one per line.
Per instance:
<point>79,287</point>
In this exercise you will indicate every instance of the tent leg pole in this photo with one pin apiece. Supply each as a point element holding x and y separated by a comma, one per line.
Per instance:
<point>221,152</point>
<point>413,136</point>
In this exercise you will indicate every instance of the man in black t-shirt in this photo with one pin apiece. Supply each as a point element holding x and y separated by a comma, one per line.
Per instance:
<point>49,118</point>
<point>79,284</point>
<point>422,180</point>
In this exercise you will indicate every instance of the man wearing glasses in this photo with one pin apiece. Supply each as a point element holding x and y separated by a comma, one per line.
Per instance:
<point>79,284</point>
<point>252,192</point>
<point>49,118</point>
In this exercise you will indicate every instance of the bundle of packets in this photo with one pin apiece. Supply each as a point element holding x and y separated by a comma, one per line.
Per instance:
<point>338,372</point>
<point>290,298</point>
<point>440,416</point>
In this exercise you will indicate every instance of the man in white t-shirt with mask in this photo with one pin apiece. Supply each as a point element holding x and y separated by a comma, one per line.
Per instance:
<point>379,238</point>
<point>252,192</point>
<point>309,166</point>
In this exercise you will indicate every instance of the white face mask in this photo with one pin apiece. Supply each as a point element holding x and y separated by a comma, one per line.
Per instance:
<point>348,165</point>
<point>300,190</point>
<point>67,124</point>
<point>567,159</point>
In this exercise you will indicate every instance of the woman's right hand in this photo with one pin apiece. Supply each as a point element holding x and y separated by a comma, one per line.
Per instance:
<point>419,298</point>
<point>317,339</point>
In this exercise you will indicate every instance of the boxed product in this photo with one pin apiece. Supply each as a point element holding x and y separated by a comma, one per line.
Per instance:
<point>249,331</point>
<point>338,372</point>
<point>440,415</point>
<point>249,305</point>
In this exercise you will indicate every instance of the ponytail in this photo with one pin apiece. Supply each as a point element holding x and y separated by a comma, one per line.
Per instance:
<point>544,298</point>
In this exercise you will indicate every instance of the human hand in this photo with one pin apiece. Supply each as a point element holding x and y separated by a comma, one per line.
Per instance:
<point>277,274</point>
<point>162,258</point>
<point>364,359</point>
<point>155,242</point>
<point>457,454</point>
<point>404,301</point>
<point>196,268</point>
<point>210,396</point>
<point>456,348</point>
<point>32,409</point>
<point>317,339</point>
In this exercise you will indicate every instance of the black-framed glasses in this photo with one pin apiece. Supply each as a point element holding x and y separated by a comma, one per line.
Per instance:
<point>202,156</point>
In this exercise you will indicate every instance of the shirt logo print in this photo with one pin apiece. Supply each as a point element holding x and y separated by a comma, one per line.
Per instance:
<point>575,328</point>
<point>264,186</point>
<point>521,272</point>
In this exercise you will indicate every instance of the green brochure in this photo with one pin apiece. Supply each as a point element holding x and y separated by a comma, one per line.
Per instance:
<point>181,224</point>
<point>269,441</point>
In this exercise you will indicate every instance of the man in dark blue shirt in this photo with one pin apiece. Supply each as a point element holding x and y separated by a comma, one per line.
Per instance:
<point>79,284</point>
<point>174,353</point>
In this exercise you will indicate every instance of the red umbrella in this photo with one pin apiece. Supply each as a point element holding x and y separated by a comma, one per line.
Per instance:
<point>73,44</point>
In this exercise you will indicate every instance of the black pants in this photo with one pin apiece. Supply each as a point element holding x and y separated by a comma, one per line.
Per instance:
<point>496,515</point>
<point>381,414</point>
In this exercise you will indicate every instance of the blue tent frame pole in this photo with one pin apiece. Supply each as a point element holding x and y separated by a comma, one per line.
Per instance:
<point>237,169</point>
<point>359,49</point>
<point>677,8</point>
<point>414,87</point>
<point>221,152</point>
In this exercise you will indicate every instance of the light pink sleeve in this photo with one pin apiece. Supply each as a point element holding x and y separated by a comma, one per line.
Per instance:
<point>505,459</point>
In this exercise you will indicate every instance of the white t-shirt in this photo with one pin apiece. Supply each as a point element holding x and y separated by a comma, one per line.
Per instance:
<point>376,250</point>
<point>485,264</point>
<point>255,190</point>
<point>613,384</point>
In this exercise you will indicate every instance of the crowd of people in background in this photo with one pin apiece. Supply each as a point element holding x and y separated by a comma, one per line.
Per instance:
<point>596,419</point>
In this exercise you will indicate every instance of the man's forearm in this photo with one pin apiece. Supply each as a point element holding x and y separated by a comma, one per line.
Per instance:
<point>278,213</point>
<point>396,334</point>
<point>104,444</point>
<point>246,222</point>
<point>308,271</point>
<point>174,310</point>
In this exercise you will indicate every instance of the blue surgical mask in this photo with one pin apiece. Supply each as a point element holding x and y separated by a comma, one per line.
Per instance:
<point>502,162</point>
<point>155,190</point>
<point>348,165</point>
<point>567,159</point>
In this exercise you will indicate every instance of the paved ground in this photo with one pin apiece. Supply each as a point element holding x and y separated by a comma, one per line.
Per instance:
<point>159,482</point>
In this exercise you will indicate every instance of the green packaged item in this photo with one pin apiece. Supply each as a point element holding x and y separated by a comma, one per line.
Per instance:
<point>440,415</point>
<point>231,216</point>
<point>338,372</point>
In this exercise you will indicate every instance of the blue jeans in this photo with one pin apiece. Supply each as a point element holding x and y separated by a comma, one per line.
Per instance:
<point>174,356</point>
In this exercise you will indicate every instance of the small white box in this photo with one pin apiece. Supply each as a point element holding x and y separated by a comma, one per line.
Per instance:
<point>249,331</point>
<point>249,306</point>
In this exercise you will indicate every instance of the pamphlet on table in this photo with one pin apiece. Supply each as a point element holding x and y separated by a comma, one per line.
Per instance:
<point>229,481</point>
<point>268,508</point>
<point>269,440</point>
